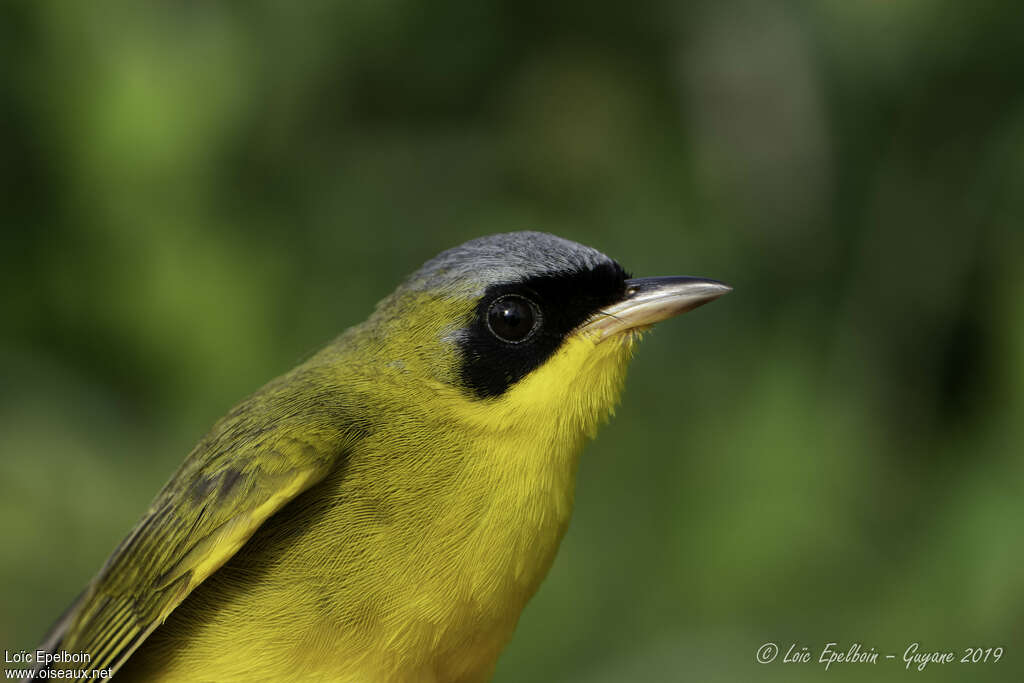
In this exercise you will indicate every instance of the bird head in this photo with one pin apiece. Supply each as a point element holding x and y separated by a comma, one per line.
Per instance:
<point>522,324</point>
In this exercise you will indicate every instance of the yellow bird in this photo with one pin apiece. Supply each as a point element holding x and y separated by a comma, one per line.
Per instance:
<point>384,511</point>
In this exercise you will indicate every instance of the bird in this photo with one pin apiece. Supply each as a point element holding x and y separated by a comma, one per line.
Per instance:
<point>384,510</point>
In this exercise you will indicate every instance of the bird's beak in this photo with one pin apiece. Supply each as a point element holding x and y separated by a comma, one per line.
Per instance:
<point>650,300</point>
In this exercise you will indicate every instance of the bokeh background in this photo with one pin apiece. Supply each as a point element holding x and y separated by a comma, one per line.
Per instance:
<point>197,195</point>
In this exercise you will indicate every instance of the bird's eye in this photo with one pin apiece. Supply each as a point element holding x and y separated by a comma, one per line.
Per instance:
<point>513,318</point>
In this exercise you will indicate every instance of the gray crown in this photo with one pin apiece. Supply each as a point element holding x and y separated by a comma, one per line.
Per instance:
<point>507,257</point>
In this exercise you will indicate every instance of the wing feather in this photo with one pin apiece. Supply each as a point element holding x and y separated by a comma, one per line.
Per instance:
<point>233,481</point>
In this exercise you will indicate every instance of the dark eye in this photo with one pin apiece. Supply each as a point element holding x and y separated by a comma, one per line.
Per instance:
<point>513,318</point>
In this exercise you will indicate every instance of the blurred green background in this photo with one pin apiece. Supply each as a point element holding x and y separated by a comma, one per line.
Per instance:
<point>196,195</point>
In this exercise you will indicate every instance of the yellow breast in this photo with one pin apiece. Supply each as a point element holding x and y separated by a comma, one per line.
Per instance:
<point>414,560</point>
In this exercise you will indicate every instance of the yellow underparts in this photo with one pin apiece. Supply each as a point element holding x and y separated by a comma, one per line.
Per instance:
<point>414,561</point>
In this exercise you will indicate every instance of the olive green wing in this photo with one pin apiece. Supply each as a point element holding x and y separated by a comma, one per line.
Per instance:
<point>230,484</point>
